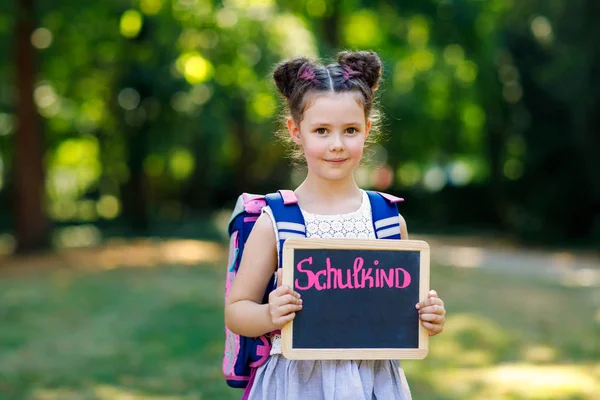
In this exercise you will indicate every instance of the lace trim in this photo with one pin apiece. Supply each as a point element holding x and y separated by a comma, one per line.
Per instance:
<point>276,344</point>
<point>354,225</point>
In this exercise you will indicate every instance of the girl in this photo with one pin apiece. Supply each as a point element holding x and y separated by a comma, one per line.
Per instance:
<point>330,117</point>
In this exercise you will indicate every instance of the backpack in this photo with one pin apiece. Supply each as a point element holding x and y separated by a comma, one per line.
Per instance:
<point>243,355</point>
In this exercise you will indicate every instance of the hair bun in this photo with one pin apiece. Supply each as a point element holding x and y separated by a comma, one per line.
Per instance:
<point>286,74</point>
<point>367,63</point>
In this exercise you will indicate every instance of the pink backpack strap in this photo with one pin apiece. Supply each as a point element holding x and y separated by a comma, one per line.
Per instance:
<point>288,196</point>
<point>390,198</point>
<point>249,197</point>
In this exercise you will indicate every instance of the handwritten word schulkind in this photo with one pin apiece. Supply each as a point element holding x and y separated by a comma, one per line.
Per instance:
<point>356,277</point>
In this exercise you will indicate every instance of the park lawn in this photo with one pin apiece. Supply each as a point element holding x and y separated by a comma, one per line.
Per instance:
<point>140,333</point>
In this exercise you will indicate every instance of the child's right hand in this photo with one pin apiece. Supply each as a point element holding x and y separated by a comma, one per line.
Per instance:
<point>283,303</point>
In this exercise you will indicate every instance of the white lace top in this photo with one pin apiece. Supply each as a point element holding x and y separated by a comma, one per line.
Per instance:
<point>354,225</point>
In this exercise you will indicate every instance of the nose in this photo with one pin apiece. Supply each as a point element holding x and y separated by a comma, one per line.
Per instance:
<point>336,143</point>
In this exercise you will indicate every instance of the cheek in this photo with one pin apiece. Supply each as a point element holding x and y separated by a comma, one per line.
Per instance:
<point>313,149</point>
<point>356,147</point>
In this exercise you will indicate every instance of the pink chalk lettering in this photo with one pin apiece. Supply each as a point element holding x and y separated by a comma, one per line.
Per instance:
<point>367,275</point>
<point>356,277</point>
<point>389,278</point>
<point>331,270</point>
<point>347,285</point>
<point>311,276</point>
<point>318,285</point>
<point>405,280</point>
<point>358,264</point>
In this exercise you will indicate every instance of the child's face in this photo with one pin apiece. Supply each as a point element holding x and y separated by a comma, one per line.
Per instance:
<point>332,134</point>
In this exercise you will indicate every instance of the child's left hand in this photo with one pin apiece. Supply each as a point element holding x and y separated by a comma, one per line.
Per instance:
<point>432,313</point>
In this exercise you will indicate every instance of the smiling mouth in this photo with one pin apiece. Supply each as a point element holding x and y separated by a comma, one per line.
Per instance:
<point>337,161</point>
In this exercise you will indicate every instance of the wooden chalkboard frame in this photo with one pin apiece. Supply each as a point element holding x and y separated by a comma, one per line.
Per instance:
<point>287,331</point>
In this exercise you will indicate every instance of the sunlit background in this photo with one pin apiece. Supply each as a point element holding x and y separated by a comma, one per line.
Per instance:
<point>128,129</point>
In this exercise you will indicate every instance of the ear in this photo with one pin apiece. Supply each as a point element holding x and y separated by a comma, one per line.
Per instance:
<point>367,128</point>
<point>294,130</point>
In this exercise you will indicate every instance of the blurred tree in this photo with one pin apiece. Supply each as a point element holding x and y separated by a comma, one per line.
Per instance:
<point>549,80</point>
<point>155,109</point>
<point>31,223</point>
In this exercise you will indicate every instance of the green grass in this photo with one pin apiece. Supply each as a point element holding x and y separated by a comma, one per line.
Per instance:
<point>148,332</point>
<point>510,337</point>
<point>156,333</point>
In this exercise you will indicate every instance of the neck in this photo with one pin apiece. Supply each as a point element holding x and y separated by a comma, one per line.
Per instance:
<point>328,190</point>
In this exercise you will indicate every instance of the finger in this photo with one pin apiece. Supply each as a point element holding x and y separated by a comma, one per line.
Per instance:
<point>276,294</point>
<point>421,304</point>
<point>285,290</point>
<point>428,325</point>
<point>432,293</point>
<point>434,318</point>
<point>433,329</point>
<point>281,321</point>
<point>289,308</point>
<point>289,299</point>
<point>432,301</point>
<point>279,277</point>
<point>435,309</point>
<point>279,311</point>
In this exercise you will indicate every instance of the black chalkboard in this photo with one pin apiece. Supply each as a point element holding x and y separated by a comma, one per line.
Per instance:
<point>358,296</point>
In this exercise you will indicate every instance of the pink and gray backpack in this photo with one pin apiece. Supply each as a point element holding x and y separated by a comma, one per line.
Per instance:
<point>243,355</point>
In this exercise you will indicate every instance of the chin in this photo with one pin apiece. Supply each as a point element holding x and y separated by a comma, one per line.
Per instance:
<point>336,176</point>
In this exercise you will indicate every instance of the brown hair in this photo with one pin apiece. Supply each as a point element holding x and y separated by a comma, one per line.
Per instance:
<point>298,77</point>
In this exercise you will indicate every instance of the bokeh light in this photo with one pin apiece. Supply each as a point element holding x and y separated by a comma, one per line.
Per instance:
<point>541,28</point>
<point>6,124</point>
<point>181,163</point>
<point>129,98</point>
<point>434,179</point>
<point>131,23</point>
<point>195,68</point>
<point>151,7</point>
<point>108,207</point>
<point>41,38</point>
<point>361,29</point>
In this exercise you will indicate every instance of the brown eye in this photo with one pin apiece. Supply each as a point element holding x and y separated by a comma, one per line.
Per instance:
<point>351,131</point>
<point>321,131</point>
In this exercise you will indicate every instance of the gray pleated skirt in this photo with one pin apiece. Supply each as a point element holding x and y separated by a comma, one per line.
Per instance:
<point>283,379</point>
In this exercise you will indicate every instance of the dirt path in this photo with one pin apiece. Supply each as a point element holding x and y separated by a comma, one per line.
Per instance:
<point>569,267</point>
<point>140,252</point>
<point>572,268</point>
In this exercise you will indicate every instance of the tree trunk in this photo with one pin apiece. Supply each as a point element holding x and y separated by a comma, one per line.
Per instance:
<point>197,195</point>
<point>136,191</point>
<point>31,223</point>
<point>582,222</point>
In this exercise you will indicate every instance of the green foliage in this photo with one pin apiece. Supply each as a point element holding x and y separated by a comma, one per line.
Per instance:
<point>155,102</point>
